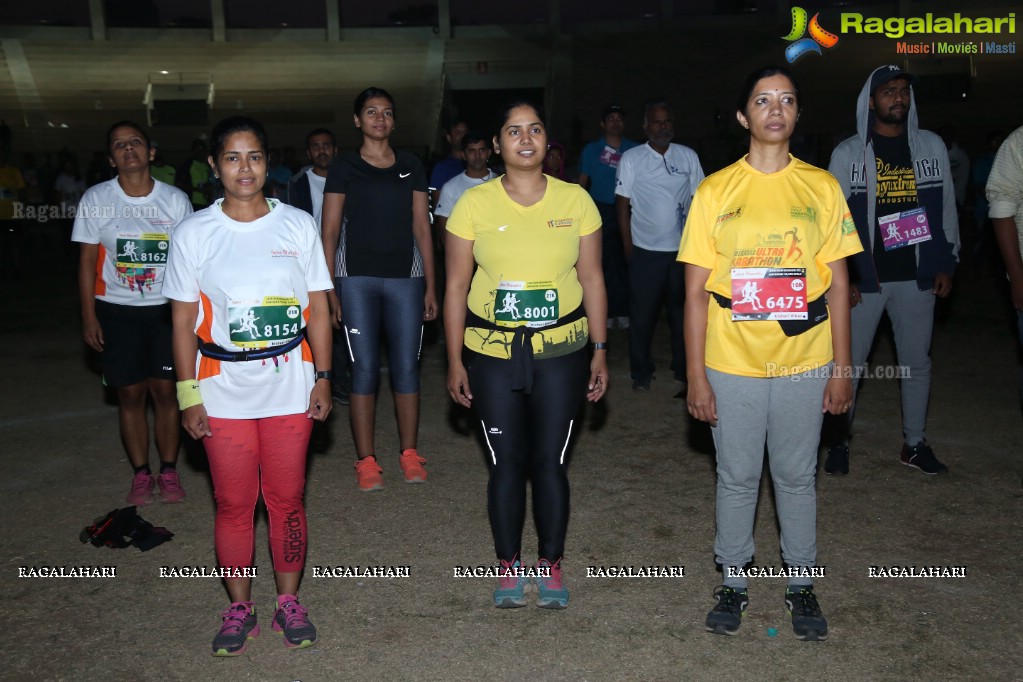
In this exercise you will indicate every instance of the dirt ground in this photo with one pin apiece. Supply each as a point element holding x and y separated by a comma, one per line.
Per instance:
<point>642,481</point>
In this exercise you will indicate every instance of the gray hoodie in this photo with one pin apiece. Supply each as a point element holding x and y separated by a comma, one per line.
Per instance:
<point>850,163</point>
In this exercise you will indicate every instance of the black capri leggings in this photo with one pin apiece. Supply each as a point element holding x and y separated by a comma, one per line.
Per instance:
<point>527,437</point>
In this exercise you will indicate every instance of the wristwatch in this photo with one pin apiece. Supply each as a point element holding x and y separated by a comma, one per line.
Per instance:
<point>326,374</point>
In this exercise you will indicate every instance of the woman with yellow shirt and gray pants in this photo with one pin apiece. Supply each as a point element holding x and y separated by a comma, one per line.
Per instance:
<point>767,354</point>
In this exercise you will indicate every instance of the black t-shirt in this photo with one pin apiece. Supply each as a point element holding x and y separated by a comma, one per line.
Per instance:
<point>376,232</point>
<point>896,192</point>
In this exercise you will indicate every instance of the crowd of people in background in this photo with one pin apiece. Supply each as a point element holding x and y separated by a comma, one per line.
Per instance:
<point>531,258</point>
<point>45,188</point>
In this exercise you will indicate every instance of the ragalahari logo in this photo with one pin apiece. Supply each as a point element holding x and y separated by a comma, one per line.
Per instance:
<point>818,36</point>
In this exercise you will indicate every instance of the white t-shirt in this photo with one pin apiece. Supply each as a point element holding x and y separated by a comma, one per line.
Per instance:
<point>252,281</point>
<point>316,184</point>
<point>454,188</point>
<point>72,190</point>
<point>660,190</point>
<point>134,235</point>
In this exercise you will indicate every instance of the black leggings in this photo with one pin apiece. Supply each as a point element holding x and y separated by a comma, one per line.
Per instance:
<point>527,437</point>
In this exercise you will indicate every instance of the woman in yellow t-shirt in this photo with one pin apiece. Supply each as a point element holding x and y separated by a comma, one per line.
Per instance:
<point>524,318</point>
<point>765,240</point>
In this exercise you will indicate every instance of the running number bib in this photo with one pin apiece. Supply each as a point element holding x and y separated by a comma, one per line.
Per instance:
<point>904,229</point>
<point>273,322</point>
<point>769,294</point>
<point>535,303</point>
<point>140,259</point>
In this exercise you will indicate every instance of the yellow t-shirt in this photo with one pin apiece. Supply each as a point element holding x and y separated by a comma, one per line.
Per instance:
<point>526,257</point>
<point>742,218</point>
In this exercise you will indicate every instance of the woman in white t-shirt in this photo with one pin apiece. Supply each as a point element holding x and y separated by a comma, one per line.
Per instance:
<point>124,227</point>
<point>252,343</point>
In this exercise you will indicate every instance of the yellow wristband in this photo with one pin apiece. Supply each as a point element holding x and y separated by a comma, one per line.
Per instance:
<point>188,394</point>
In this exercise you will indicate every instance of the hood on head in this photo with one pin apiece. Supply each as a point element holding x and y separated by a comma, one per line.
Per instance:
<point>865,117</point>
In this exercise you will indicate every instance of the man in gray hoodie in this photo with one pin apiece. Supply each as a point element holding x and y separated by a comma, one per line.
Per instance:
<point>898,183</point>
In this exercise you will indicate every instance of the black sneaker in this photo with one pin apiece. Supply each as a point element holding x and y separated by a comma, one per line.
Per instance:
<point>292,621</point>
<point>807,620</point>
<point>239,626</point>
<point>643,386</point>
<point>726,616</point>
<point>922,457</point>
<point>838,460</point>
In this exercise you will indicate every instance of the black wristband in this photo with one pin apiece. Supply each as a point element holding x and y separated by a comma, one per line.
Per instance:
<point>326,374</point>
<point>599,345</point>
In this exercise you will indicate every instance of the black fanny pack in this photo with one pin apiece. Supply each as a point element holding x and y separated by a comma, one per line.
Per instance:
<point>122,528</point>
<point>816,312</point>
<point>522,344</point>
<point>212,350</point>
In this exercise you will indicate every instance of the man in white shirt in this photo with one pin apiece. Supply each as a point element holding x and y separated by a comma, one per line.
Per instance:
<point>654,189</point>
<point>476,148</point>
<point>1005,208</point>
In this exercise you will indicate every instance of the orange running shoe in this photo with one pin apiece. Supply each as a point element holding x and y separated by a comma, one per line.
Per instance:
<point>412,464</point>
<point>367,473</point>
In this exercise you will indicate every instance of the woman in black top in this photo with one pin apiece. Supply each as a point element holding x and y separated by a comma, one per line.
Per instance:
<point>375,219</point>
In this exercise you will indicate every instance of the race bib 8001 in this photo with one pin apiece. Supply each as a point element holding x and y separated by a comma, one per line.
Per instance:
<point>534,303</point>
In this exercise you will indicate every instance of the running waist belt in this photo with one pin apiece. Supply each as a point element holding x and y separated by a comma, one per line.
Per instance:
<point>212,350</point>
<point>522,344</point>
<point>816,312</point>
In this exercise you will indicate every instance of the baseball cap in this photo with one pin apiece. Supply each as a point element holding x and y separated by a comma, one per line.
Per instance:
<point>887,73</point>
<point>612,109</point>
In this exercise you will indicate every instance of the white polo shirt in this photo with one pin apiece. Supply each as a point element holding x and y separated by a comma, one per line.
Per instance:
<point>454,188</point>
<point>660,189</point>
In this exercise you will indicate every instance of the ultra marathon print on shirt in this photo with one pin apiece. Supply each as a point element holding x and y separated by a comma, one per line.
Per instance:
<point>766,280</point>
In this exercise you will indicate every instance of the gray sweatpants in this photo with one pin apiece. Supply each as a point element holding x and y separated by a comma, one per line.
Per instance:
<point>784,412</point>
<point>912,314</point>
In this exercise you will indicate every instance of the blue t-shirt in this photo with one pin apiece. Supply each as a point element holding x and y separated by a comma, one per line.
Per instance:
<point>446,168</point>
<point>600,162</point>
